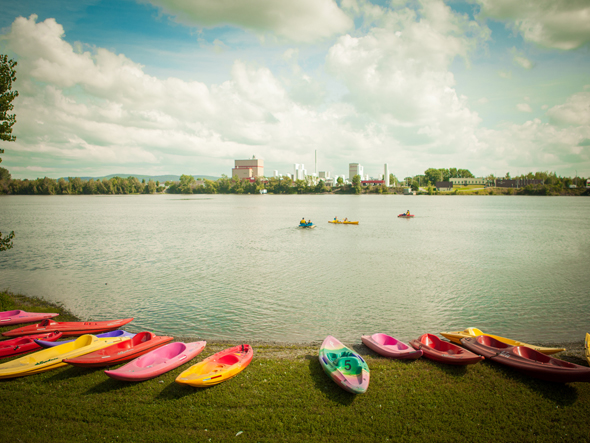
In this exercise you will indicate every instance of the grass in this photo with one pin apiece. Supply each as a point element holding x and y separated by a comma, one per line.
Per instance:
<point>285,396</point>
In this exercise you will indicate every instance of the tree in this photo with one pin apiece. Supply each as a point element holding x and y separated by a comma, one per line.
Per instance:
<point>7,95</point>
<point>6,242</point>
<point>7,121</point>
<point>356,184</point>
<point>340,181</point>
<point>433,175</point>
<point>185,184</point>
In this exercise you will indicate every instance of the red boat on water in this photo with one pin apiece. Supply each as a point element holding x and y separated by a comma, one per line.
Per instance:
<point>444,352</point>
<point>526,360</point>
<point>120,352</point>
<point>69,329</point>
<point>9,318</point>
<point>22,345</point>
<point>405,216</point>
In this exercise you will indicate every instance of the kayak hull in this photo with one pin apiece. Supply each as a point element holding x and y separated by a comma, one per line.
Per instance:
<point>405,216</point>
<point>456,336</point>
<point>136,346</point>
<point>527,361</point>
<point>587,346</point>
<point>217,368</point>
<point>344,366</point>
<point>157,362</point>
<point>343,222</point>
<point>23,345</point>
<point>15,317</point>
<point>443,352</point>
<point>69,329</point>
<point>48,359</point>
<point>390,347</point>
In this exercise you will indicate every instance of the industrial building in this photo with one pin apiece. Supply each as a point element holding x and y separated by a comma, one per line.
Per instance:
<point>251,168</point>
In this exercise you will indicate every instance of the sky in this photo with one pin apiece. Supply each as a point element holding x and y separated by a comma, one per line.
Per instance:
<point>156,87</point>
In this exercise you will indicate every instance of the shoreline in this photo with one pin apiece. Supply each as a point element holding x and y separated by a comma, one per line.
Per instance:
<point>574,353</point>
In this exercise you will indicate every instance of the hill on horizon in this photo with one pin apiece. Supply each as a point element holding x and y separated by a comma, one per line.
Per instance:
<point>160,178</point>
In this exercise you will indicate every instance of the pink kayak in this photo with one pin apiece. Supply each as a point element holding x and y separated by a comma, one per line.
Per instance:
<point>22,345</point>
<point>8,318</point>
<point>391,347</point>
<point>158,361</point>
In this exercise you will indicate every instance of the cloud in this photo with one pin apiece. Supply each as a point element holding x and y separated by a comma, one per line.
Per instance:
<point>561,24</point>
<point>398,73</point>
<point>505,74</point>
<point>524,107</point>
<point>301,20</point>
<point>520,59</point>
<point>575,111</point>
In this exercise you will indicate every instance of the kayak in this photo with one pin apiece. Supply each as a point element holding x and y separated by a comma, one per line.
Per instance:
<point>343,222</point>
<point>526,360</point>
<point>9,318</point>
<point>48,359</point>
<point>116,333</point>
<point>218,367</point>
<point>456,337</point>
<point>587,346</point>
<point>136,346</point>
<point>344,366</point>
<point>22,345</point>
<point>158,361</point>
<point>307,225</point>
<point>405,216</point>
<point>391,347</point>
<point>69,329</point>
<point>444,352</point>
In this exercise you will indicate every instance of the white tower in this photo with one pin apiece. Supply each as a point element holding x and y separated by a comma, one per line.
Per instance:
<point>386,175</point>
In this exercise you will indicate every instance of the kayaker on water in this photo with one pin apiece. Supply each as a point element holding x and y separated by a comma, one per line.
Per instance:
<point>336,218</point>
<point>302,222</point>
<point>408,212</point>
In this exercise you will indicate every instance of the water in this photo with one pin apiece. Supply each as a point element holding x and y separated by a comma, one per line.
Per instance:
<point>227,267</point>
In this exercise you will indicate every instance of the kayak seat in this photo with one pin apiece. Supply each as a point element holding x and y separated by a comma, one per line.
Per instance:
<point>349,365</point>
<point>228,360</point>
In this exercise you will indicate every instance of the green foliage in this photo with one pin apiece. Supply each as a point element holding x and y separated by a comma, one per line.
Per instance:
<point>7,95</point>
<point>340,181</point>
<point>356,184</point>
<point>6,242</point>
<point>432,176</point>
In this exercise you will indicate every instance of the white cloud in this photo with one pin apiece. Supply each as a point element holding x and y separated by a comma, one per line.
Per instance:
<point>301,20</point>
<point>562,24</point>
<point>524,107</point>
<point>520,59</point>
<point>505,74</point>
<point>575,111</point>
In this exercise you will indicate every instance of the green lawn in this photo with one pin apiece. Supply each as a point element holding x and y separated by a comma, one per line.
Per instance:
<point>285,396</point>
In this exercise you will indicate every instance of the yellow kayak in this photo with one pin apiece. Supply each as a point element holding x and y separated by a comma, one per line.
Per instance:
<point>218,367</point>
<point>456,337</point>
<point>343,222</point>
<point>587,346</point>
<point>53,357</point>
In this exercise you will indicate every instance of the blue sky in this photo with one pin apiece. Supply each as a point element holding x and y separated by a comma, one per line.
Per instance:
<point>187,86</point>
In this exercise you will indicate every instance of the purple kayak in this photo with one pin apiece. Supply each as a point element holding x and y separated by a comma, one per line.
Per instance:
<point>117,333</point>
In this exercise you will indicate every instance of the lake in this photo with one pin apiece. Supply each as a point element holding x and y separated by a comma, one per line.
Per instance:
<point>231,267</point>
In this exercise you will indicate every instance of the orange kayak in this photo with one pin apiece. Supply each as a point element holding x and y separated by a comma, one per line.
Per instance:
<point>68,329</point>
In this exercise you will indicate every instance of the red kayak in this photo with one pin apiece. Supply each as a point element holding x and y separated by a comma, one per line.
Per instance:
<point>22,345</point>
<point>527,360</point>
<point>405,216</point>
<point>120,352</point>
<point>444,352</point>
<point>69,329</point>
<point>9,318</point>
